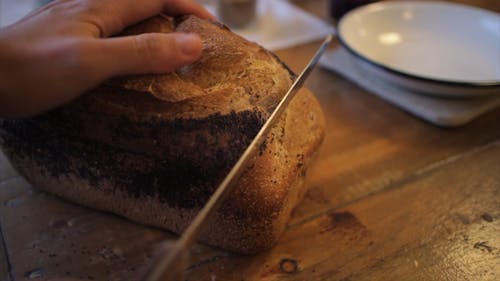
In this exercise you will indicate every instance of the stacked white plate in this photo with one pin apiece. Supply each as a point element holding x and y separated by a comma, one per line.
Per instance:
<point>433,48</point>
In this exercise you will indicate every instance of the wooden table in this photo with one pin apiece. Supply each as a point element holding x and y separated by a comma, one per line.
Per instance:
<point>391,198</point>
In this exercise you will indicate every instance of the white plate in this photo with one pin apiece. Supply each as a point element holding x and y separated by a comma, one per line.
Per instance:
<point>435,48</point>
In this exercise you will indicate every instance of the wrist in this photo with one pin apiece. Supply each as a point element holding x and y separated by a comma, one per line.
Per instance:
<point>10,60</point>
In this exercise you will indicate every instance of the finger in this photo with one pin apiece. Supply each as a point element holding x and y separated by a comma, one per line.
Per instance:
<point>114,16</point>
<point>145,53</point>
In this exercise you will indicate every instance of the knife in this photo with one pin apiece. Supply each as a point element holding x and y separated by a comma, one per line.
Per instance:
<point>173,258</point>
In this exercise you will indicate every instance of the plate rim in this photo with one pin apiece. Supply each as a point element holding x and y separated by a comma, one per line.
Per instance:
<point>470,84</point>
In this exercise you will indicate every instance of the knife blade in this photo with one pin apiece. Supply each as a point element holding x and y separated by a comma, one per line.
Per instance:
<point>171,264</point>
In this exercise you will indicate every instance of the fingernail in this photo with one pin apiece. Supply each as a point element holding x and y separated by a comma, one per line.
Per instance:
<point>188,44</point>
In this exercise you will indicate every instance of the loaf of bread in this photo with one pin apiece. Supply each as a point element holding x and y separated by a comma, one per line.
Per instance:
<point>153,148</point>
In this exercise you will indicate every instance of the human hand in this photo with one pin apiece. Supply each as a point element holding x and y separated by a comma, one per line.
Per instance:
<point>62,49</point>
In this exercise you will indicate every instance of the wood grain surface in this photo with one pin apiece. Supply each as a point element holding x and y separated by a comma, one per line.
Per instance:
<point>391,198</point>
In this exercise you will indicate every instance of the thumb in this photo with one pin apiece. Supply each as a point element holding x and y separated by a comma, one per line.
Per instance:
<point>147,53</point>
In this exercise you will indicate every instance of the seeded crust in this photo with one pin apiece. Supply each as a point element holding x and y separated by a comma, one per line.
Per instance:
<point>153,148</point>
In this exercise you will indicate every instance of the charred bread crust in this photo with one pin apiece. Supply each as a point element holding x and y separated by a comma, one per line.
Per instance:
<point>135,185</point>
<point>156,156</point>
<point>174,173</point>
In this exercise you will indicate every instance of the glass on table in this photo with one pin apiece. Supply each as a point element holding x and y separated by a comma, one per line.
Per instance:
<point>340,7</point>
<point>236,13</point>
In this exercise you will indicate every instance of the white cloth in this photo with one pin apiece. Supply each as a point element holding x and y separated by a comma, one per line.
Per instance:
<point>13,10</point>
<point>280,24</point>
<point>438,111</point>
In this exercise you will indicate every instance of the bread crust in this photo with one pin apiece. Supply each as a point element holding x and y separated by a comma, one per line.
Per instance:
<point>155,156</point>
